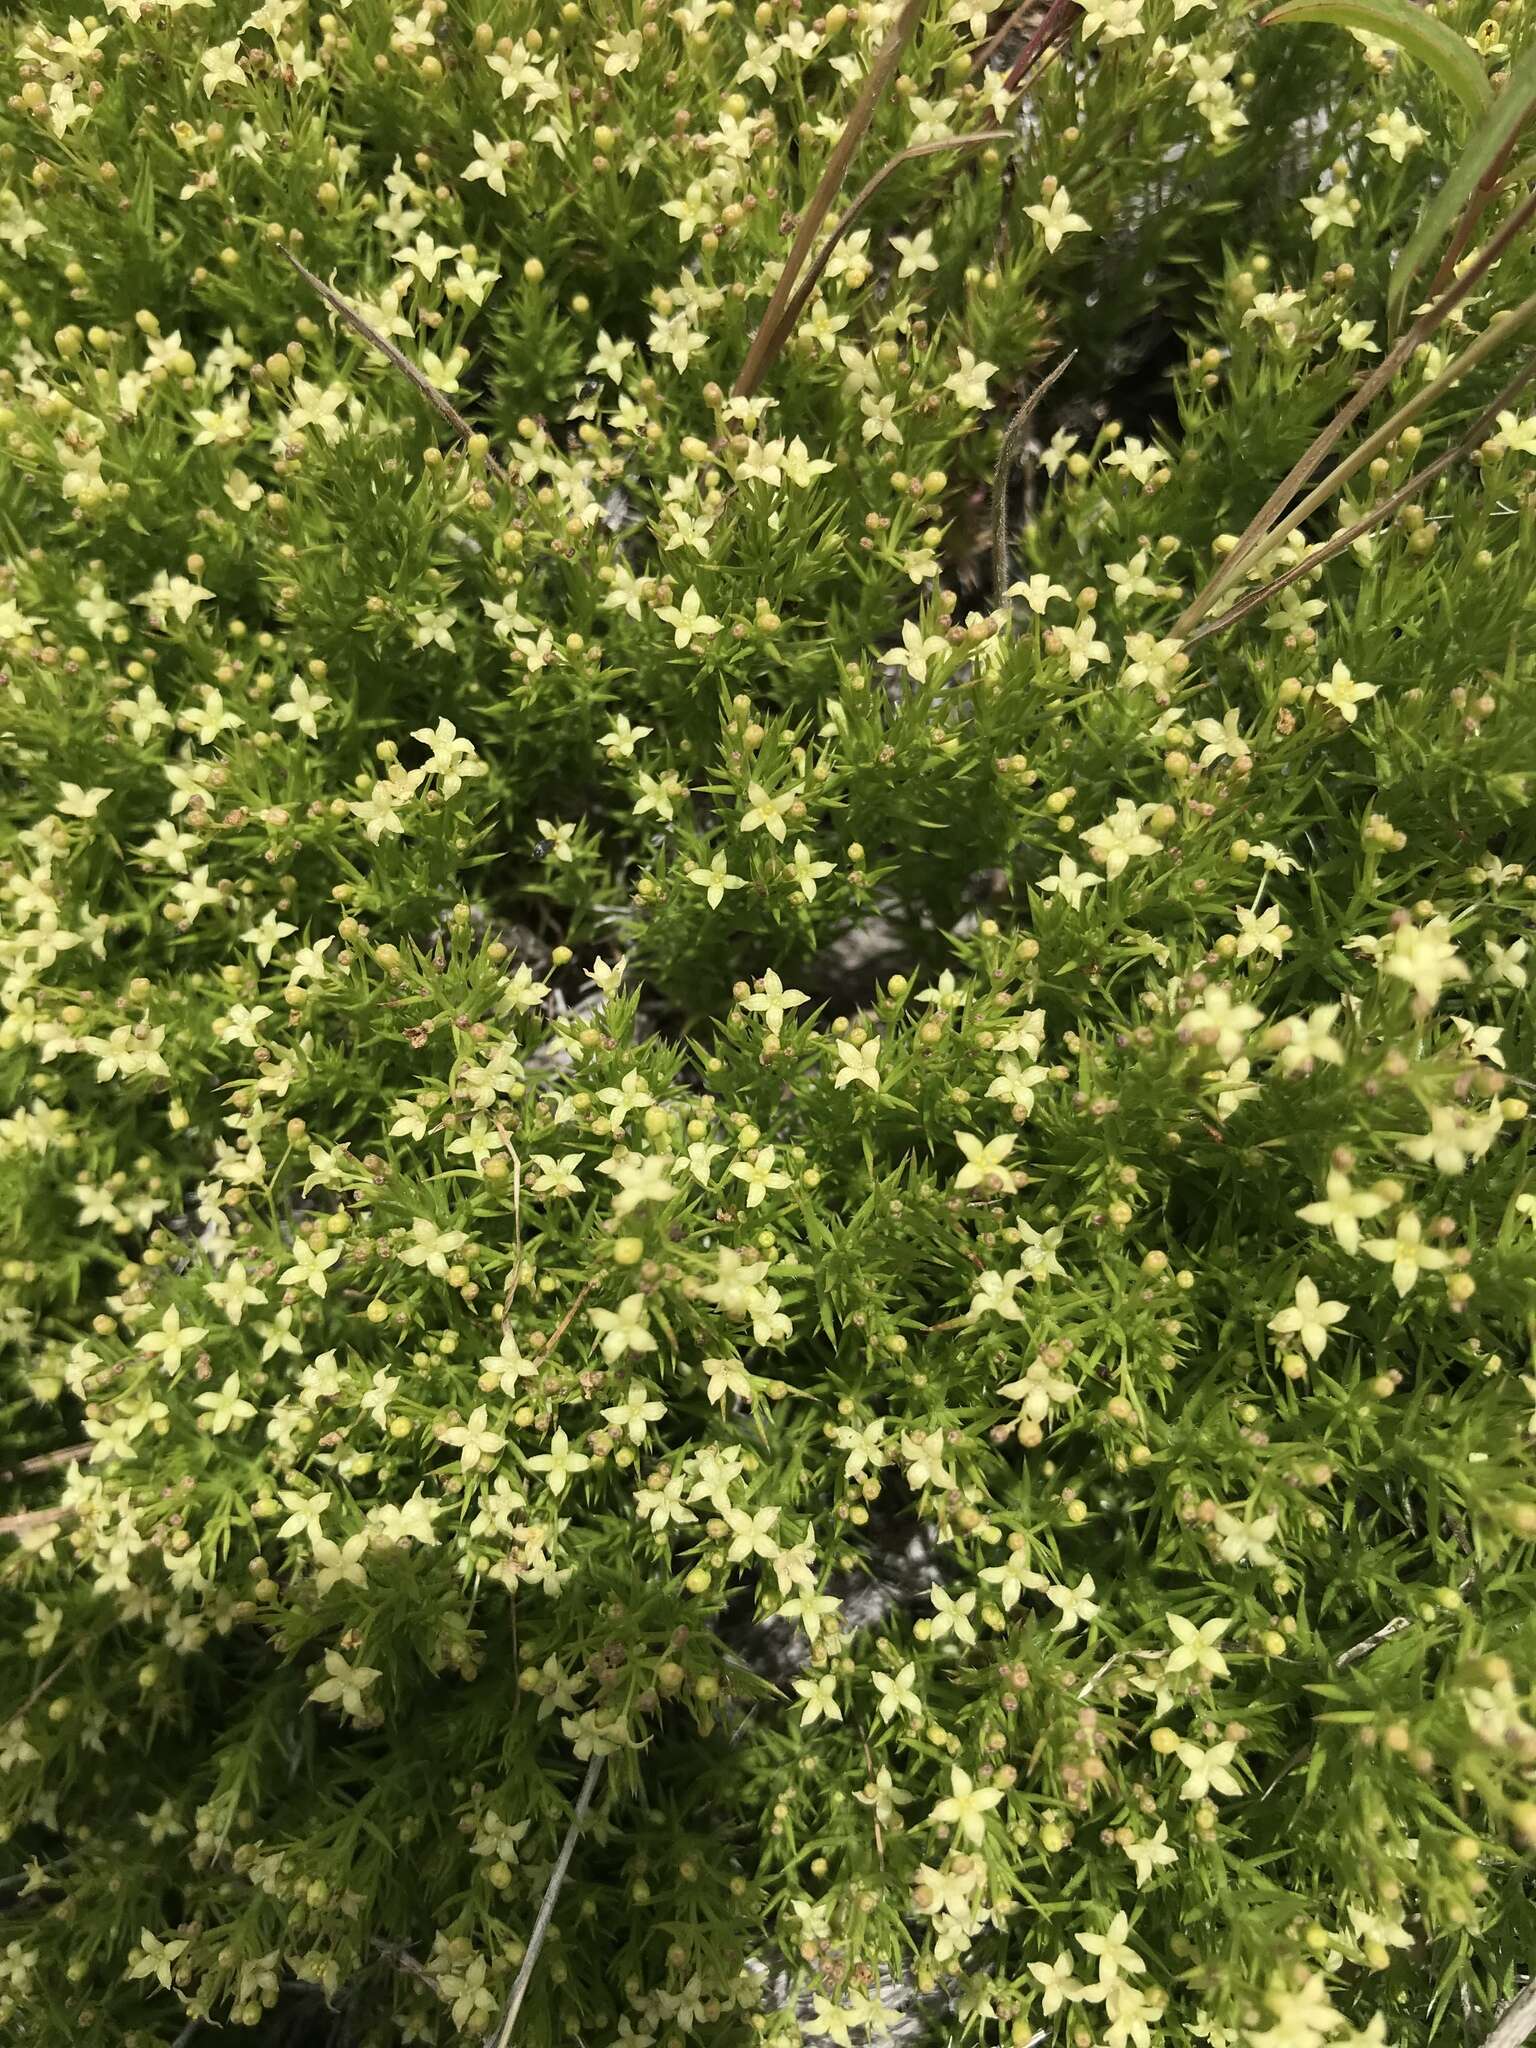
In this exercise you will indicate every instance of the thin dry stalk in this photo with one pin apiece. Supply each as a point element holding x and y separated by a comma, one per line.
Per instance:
<point>818,263</point>
<point>1256,532</point>
<point>1056,20</point>
<point>1384,1634</point>
<point>546,1912</point>
<point>46,1461</point>
<point>793,291</point>
<point>32,1518</point>
<point>350,317</point>
<point>772,334</point>
<point>1483,195</point>
<point>1486,344</point>
<point>996,41</point>
<point>1348,535</point>
<point>1107,1666</point>
<point>568,1318</point>
<point>1013,441</point>
<point>45,1684</point>
<point>1517,2021</point>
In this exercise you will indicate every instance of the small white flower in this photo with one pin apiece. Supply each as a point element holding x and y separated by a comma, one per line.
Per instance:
<point>1055,218</point>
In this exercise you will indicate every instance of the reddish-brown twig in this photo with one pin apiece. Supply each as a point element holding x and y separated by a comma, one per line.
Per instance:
<point>1258,530</point>
<point>771,334</point>
<point>1348,535</point>
<point>1053,23</point>
<point>818,263</point>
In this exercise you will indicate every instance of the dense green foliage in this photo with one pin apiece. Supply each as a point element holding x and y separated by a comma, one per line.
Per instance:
<point>640,1120</point>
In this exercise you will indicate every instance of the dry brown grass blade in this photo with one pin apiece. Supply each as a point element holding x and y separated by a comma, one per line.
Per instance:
<point>1483,196</point>
<point>1056,19</point>
<point>771,335</point>
<point>1348,535</point>
<point>568,1318</point>
<point>350,317</point>
<point>1000,36</point>
<point>1493,338</point>
<point>1007,456</point>
<point>815,269</point>
<point>1258,530</point>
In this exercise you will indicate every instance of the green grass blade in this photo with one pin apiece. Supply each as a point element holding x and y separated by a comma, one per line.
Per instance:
<point>1453,62</point>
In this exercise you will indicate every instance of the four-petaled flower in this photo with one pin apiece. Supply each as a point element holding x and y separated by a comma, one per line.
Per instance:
<point>1406,1252</point>
<point>1309,1319</point>
<point>984,1161</point>
<point>344,1685</point>
<point>689,620</point>
<point>966,1807</point>
<point>1208,1769</point>
<point>560,1463</point>
<point>1055,217</point>
<point>1196,1646</point>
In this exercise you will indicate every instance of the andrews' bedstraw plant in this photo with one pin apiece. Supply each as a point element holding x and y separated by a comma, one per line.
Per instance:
<point>656,1145</point>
